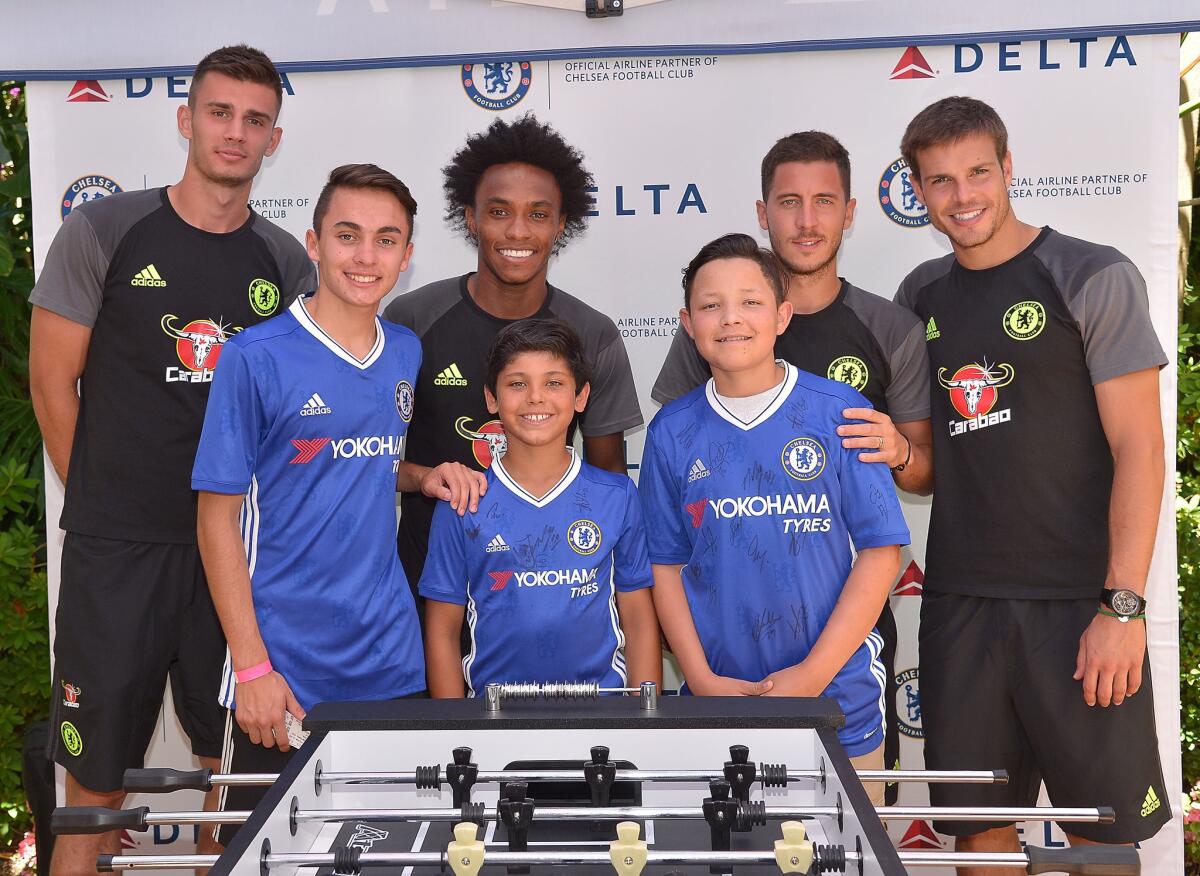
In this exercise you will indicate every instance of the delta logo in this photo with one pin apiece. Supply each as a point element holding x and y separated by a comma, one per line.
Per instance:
<point>920,835</point>
<point>1012,56</point>
<point>911,583</point>
<point>88,91</point>
<point>912,65</point>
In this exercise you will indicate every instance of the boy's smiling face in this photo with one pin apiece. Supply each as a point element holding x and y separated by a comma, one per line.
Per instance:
<point>536,399</point>
<point>733,315</point>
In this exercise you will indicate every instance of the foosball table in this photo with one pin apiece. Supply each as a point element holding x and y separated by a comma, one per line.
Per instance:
<point>537,779</point>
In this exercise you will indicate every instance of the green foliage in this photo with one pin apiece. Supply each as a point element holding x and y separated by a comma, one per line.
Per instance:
<point>24,645</point>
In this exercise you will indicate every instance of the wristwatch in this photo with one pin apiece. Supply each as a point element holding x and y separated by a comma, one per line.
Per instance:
<point>1122,604</point>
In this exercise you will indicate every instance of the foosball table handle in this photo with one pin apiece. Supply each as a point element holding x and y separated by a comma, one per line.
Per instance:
<point>465,853</point>
<point>161,780</point>
<point>96,819</point>
<point>1085,860</point>
<point>627,852</point>
<point>793,853</point>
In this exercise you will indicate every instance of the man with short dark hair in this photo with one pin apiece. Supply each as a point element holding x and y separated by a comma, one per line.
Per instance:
<point>837,331</point>
<point>1048,471</point>
<point>138,295</point>
<point>519,192</point>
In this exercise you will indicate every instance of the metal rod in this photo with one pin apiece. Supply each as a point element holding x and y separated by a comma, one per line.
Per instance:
<point>417,859</point>
<point>995,813</point>
<point>233,816</point>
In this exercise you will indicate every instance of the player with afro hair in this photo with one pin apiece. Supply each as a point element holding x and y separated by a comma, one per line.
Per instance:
<point>520,193</point>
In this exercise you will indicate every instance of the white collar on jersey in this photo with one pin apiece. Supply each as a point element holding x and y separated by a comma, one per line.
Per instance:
<point>299,311</point>
<point>565,481</point>
<point>785,389</point>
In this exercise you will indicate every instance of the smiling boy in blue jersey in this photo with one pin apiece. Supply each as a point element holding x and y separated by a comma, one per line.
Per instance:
<point>747,474</point>
<point>551,571</point>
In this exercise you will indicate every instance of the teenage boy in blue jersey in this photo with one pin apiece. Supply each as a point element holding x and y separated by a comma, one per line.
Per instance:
<point>751,503</point>
<point>298,467</point>
<point>551,571</point>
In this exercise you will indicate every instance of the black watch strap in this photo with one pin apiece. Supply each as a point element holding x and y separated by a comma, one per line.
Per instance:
<point>1123,602</point>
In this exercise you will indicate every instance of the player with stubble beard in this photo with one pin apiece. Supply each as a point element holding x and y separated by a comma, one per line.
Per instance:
<point>139,292</point>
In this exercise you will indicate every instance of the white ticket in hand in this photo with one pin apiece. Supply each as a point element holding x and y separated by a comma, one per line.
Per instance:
<point>296,733</point>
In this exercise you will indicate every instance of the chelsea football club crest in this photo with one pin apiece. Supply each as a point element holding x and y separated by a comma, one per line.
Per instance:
<point>803,458</point>
<point>898,198</point>
<point>85,189</point>
<point>497,85</point>
<point>584,537</point>
<point>404,400</point>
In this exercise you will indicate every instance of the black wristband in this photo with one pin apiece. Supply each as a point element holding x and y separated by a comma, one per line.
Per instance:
<point>907,456</point>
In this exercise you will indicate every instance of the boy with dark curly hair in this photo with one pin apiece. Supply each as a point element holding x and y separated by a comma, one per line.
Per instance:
<point>519,192</point>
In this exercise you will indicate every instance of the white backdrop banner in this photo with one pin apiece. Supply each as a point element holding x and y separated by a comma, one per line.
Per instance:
<point>674,142</point>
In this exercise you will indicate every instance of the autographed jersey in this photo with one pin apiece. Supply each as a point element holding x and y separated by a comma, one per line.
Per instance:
<point>539,577</point>
<point>161,298</point>
<point>1022,469</point>
<point>761,515</point>
<point>313,436</point>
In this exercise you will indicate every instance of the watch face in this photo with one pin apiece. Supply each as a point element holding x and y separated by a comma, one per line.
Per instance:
<point>1125,602</point>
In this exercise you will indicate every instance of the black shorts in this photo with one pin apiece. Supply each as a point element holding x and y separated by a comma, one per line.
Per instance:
<point>997,693</point>
<point>240,755</point>
<point>130,616</point>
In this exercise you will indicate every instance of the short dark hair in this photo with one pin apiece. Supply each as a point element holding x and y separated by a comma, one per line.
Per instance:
<point>525,141</point>
<point>551,336</point>
<point>363,176</point>
<point>806,146</point>
<point>737,246</point>
<point>240,62</point>
<point>948,120</point>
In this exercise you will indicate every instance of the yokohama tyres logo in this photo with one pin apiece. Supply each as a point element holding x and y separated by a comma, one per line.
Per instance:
<point>308,449</point>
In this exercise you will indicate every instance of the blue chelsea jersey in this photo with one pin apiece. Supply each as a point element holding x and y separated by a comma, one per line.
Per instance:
<point>761,516</point>
<point>539,576</point>
<point>313,436</point>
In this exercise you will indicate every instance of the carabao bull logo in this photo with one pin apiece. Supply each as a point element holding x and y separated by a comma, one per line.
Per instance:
<point>973,387</point>
<point>487,443</point>
<point>198,344</point>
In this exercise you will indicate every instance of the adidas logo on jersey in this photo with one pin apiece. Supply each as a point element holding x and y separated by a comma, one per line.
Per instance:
<point>931,331</point>
<point>315,406</point>
<point>1151,803</point>
<point>450,376</point>
<point>697,471</point>
<point>148,276</point>
<point>497,544</point>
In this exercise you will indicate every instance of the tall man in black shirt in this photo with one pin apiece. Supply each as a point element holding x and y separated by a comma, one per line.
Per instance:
<point>139,292</point>
<point>519,192</point>
<point>1048,476</point>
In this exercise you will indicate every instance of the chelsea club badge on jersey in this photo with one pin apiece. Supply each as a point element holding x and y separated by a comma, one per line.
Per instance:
<point>404,400</point>
<point>803,458</point>
<point>584,537</point>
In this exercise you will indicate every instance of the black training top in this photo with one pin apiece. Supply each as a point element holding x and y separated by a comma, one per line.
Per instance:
<point>1022,469</point>
<point>858,338</point>
<point>161,297</point>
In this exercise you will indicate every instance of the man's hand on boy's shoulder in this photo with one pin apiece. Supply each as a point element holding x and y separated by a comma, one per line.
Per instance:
<point>453,482</point>
<point>866,435</point>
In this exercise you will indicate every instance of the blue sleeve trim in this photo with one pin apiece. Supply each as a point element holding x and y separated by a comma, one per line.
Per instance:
<point>226,488</point>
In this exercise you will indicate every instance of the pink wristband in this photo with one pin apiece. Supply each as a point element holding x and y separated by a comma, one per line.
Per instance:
<point>253,672</point>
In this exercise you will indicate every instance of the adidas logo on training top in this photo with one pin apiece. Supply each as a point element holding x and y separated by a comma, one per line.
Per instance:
<point>450,376</point>
<point>147,276</point>
<point>497,544</point>
<point>315,406</point>
<point>1151,803</point>
<point>931,330</point>
<point>697,471</point>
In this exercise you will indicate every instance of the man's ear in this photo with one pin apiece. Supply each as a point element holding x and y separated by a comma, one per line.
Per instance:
<point>310,243</point>
<point>490,400</point>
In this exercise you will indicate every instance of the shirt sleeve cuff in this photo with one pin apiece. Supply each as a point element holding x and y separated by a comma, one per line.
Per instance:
<point>227,488</point>
<point>887,539</point>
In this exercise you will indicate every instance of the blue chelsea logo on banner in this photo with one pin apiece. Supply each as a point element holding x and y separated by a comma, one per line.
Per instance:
<point>898,198</point>
<point>497,85</point>
<point>87,188</point>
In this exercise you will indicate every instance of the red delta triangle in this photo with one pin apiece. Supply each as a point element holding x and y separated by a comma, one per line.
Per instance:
<point>911,583</point>
<point>912,65</point>
<point>919,836</point>
<point>87,91</point>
